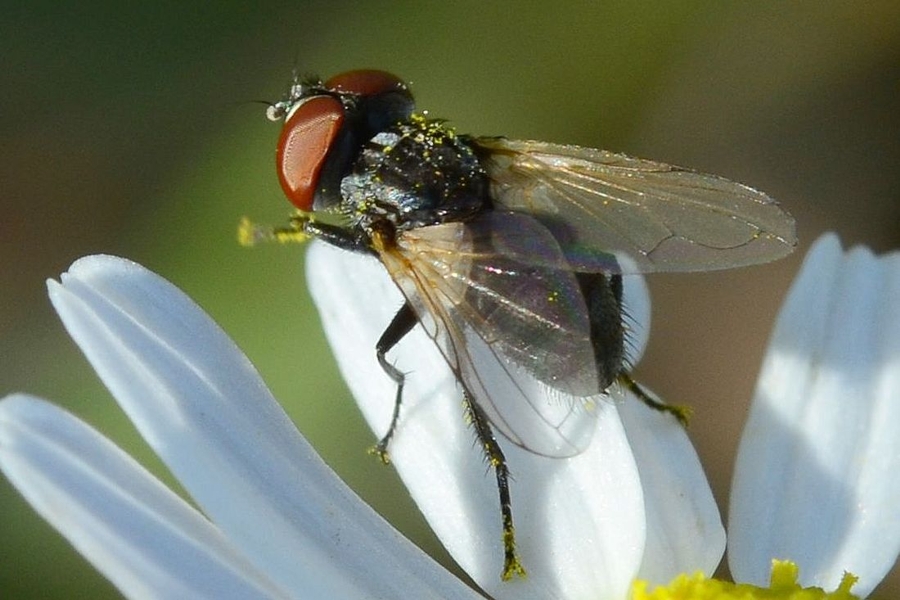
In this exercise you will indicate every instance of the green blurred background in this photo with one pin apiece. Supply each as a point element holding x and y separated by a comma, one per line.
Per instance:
<point>133,131</point>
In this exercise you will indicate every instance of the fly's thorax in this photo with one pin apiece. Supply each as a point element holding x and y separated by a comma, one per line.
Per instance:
<point>414,174</point>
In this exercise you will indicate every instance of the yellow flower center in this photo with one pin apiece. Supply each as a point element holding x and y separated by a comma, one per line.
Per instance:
<point>782,586</point>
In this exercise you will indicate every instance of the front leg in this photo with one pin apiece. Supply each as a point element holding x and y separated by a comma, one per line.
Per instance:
<point>301,228</point>
<point>400,325</point>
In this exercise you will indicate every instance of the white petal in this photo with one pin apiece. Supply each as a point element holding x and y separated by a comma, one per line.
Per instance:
<point>816,476</point>
<point>684,528</point>
<point>579,521</point>
<point>202,406</point>
<point>139,534</point>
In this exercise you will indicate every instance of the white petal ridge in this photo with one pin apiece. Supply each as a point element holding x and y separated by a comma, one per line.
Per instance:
<point>203,408</point>
<point>580,521</point>
<point>815,480</point>
<point>146,540</point>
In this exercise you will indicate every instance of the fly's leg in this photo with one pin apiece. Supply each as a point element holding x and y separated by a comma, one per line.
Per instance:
<point>682,413</point>
<point>495,457</point>
<point>603,296</point>
<point>401,324</point>
<point>301,228</point>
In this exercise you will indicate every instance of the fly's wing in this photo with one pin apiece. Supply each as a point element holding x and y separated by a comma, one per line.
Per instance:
<point>503,306</point>
<point>666,218</point>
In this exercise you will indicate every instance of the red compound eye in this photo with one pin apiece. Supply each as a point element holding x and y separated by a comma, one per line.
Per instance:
<point>307,137</point>
<point>365,82</point>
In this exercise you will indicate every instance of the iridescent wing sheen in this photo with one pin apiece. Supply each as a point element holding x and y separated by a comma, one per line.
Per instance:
<point>666,218</point>
<point>501,302</point>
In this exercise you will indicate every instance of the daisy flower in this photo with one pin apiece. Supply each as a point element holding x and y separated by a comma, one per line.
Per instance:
<point>274,521</point>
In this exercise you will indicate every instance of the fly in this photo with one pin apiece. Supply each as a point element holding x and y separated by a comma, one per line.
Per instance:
<point>504,250</point>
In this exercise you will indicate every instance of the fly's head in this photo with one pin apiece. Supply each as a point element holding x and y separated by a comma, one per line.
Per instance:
<point>325,126</point>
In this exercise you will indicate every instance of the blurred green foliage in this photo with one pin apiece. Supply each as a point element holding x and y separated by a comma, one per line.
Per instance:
<point>135,131</point>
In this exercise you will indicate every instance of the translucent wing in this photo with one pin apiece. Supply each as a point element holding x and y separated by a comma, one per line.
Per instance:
<point>503,306</point>
<point>666,218</point>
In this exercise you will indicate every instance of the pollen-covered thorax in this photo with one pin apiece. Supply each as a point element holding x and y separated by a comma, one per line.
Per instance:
<point>415,173</point>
